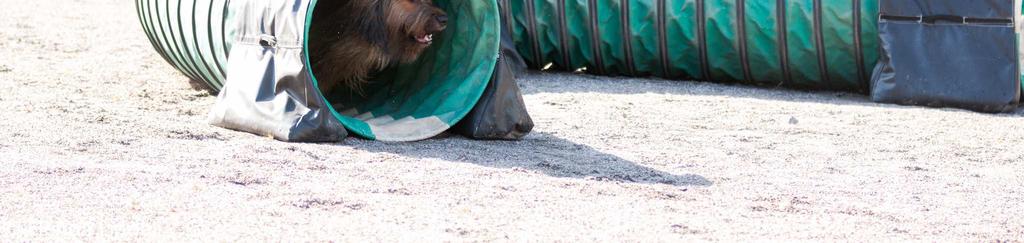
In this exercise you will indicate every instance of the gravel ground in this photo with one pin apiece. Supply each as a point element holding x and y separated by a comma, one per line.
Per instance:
<point>101,140</point>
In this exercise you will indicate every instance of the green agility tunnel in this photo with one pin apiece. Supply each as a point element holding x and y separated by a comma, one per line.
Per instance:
<point>254,53</point>
<point>813,44</point>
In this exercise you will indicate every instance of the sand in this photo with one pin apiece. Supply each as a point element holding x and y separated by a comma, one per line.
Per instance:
<point>101,140</point>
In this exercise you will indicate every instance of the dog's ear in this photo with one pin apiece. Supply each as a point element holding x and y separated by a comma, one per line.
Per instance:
<point>371,21</point>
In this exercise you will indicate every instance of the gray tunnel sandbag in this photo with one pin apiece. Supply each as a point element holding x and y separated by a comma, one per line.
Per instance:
<point>501,112</point>
<point>954,53</point>
<point>269,91</point>
<point>412,102</point>
<point>816,44</point>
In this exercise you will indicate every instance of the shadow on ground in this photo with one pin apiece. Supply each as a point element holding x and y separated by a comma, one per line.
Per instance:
<point>541,152</point>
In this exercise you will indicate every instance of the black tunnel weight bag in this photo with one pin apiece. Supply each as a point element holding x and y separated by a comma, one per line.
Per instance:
<point>953,53</point>
<point>500,114</point>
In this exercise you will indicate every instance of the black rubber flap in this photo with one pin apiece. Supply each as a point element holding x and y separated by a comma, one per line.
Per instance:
<point>501,113</point>
<point>948,63</point>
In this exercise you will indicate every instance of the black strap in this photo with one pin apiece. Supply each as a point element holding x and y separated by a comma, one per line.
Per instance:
<point>819,44</point>
<point>595,37</point>
<point>563,37</point>
<point>741,34</point>
<point>627,37</point>
<point>190,61</point>
<point>900,18</point>
<point>985,21</point>
<point>783,39</point>
<point>702,43</point>
<point>146,22</point>
<point>531,29</point>
<point>203,66</point>
<point>173,43</point>
<point>224,31</point>
<point>209,35</point>
<point>663,39</point>
<point>506,15</point>
<point>783,42</point>
<point>947,19</point>
<point>858,47</point>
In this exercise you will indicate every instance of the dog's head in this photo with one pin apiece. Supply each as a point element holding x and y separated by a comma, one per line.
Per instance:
<point>412,25</point>
<point>401,29</point>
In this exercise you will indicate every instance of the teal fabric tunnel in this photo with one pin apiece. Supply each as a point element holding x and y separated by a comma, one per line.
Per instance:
<point>815,44</point>
<point>204,39</point>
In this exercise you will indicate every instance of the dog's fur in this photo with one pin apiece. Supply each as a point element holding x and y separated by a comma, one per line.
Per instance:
<point>351,40</point>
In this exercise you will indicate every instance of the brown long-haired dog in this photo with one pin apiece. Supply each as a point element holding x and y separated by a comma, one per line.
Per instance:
<point>350,39</point>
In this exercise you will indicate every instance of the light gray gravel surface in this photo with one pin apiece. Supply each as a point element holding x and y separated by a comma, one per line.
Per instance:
<point>101,140</point>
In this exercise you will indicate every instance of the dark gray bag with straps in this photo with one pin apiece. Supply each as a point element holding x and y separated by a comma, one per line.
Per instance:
<point>267,90</point>
<point>951,53</point>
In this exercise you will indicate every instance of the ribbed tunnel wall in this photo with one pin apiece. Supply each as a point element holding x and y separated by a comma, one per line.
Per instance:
<point>191,35</point>
<point>816,44</point>
<point>820,44</point>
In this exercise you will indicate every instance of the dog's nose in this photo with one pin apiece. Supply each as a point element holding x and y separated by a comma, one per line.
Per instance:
<point>442,19</point>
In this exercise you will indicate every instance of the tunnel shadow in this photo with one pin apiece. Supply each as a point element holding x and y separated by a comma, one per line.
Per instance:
<point>539,152</point>
<point>536,82</point>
